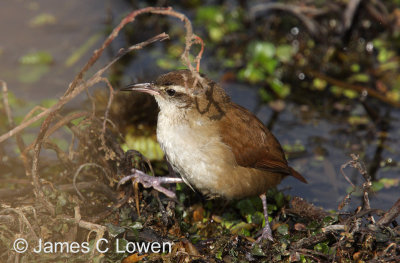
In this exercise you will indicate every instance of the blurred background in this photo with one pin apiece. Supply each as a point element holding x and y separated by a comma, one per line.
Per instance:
<point>322,75</point>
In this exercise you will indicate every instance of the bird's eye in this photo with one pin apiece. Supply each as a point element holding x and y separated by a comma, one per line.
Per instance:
<point>171,92</point>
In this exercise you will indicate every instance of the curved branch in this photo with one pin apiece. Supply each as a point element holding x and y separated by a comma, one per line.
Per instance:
<point>309,23</point>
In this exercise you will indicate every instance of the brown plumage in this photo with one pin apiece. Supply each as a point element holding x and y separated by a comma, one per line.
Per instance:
<point>217,146</point>
<point>253,144</point>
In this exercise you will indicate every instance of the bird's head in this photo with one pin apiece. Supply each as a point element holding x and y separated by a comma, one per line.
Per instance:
<point>183,90</point>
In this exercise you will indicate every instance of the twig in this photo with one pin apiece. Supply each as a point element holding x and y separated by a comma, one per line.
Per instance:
<point>66,98</point>
<point>71,151</point>
<point>351,162</point>
<point>7,108</point>
<point>355,163</point>
<point>36,183</point>
<point>358,88</point>
<point>79,170</point>
<point>32,112</point>
<point>93,186</point>
<point>198,57</point>
<point>312,240</point>
<point>93,102</point>
<point>349,13</point>
<point>136,194</point>
<point>333,228</point>
<point>65,120</point>
<point>71,91</point>
<point>103,131</point>
<point>345,200</point>
<point>26,221</point>
<point>99,229</point>
<point>53,111</point>
<point>78,85</point>
<point>6,104</point>
<point>14,193</point>
<point>60,153</point>
<point>383,16</point>
<point>309,23</point>
<point>310,253</point>
<point>390,215</point>
<point>347,197</point>
<point>302,208</point>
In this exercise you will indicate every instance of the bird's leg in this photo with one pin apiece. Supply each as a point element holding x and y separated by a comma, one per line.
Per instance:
<point>266,232</point>
<point>152,181</point>
<point>171,171</point>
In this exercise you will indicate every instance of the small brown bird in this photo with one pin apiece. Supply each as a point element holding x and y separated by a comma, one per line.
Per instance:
<point>218,147</point>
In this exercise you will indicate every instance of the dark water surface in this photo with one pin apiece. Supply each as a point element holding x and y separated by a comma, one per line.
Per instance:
<point>73,22</point>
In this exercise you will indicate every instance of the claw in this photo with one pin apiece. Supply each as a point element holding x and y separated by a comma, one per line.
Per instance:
<point>151,181</point>
<point>266,232</point>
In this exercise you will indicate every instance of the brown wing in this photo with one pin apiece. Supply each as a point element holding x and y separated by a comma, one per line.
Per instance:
<point>252,144</point>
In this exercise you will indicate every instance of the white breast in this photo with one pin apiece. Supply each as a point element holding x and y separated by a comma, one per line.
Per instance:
<point>192,149</point>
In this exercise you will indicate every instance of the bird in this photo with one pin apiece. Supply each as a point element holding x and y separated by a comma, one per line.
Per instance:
<point>216,146</point>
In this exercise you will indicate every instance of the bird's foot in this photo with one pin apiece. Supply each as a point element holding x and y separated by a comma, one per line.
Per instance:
<point>151,181</point>
<point>266,234</point>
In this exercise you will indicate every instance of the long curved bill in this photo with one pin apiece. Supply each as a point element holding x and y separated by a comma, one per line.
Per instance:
<point>149,88</point>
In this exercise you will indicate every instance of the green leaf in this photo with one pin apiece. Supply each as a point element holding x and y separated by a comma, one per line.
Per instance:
<point>390,182</point>
<point>216,33</point>
<point>42,19</point>
<point>251,74</point>
<point>210,14</point>
<point>384,55</point>
<point>355,67</point>
<point>283,229</point>
<point>351,94</point>
<point>359,78</point>
<point>257,251</point>
<point>390,65</point>
<point>35,58</point>
<point>281,89</point>
<point>265,96</point>
<point>136,225</point>
<point>147,145</point>
<point>218,255</point>
<point>322,247</point>
<point>378,43</point>
<point>280,199</point>
<point>257,218</point>
<point>77,121</point>
<point>167,63</point>
<point>269,64</point>
<point>245,207</point>
<point>114,231</point>
<point>377,186</point>
<point>319,84</point>
<point>336,90</point>
<point>62,143</point>
<point>263,50</point>
<point>285,53</point>
<point>358,120</point>
<point>242,228</point>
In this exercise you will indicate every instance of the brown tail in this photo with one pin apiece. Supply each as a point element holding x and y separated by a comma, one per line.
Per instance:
<point>298,176</point>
